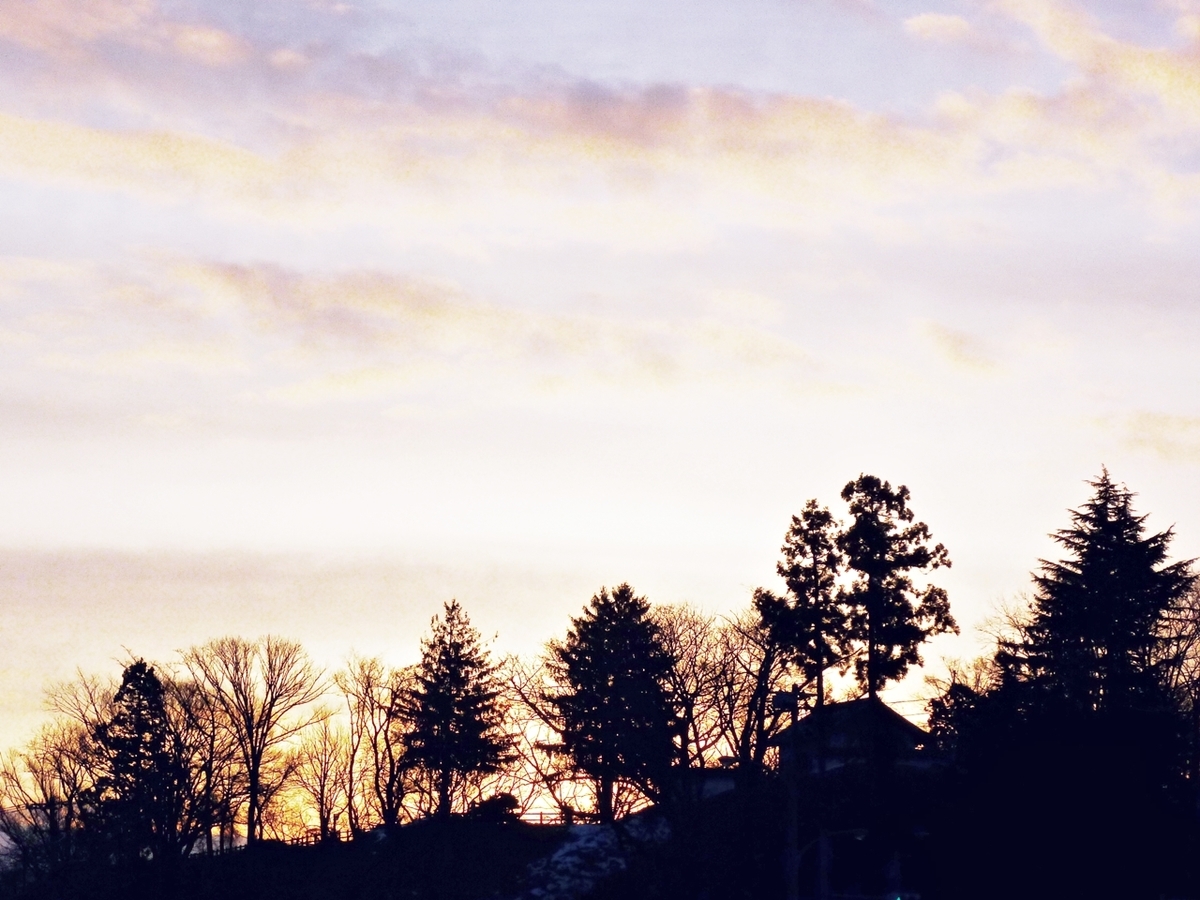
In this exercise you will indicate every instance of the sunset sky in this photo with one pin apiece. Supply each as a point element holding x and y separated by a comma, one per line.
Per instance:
<point>315,315</point>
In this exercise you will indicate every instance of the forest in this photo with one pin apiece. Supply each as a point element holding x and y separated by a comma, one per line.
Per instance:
<point>1064,763</point>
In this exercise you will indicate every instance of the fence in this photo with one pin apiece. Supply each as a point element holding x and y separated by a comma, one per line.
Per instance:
<point>553,817</point>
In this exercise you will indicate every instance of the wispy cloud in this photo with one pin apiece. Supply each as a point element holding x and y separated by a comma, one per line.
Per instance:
<point>264,334</point>
<point>1171,437</point>
<point>938,27</point>
<point>329,131</point>
<point>964,350</point>
<point>1169,76</point>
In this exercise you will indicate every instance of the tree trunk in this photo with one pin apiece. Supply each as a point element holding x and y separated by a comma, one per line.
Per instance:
<point>872,653</point>
<point>443,807</point>
<point>604,800</point>
<point>252,801</point>
<point>821,675</point>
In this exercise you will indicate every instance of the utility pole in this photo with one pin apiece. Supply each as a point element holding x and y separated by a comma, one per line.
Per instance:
<point>790,701</point>
<point>824,849</point>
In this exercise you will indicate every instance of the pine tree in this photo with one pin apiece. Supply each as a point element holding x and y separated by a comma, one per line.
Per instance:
<point>1092,639</point>
<point>454,709</point>
<point>809,623</point>
<point>889,612</point>
<point>140,793</point>
<point>615,713</point>
<point>1072,749</point>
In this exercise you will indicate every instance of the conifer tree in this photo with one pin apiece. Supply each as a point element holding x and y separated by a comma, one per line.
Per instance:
<point>614,709</point>
<point>140,792</point>
<point>1094,632</point>
<point>453,707</point>
<point>809,623</point>
<point>888,611</point>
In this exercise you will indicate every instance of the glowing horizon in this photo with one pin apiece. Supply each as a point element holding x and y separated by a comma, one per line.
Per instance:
<point>343,310</point>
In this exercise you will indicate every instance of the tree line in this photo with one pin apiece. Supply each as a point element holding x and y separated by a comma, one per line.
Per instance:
<point>240,740</point>
<point>1090,694</point>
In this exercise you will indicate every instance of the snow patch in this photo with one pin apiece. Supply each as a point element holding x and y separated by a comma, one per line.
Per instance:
<point>589,854</point>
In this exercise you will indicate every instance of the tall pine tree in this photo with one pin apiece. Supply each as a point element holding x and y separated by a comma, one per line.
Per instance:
<point>810,623</point>
<point>890,613</point>
<point>453,708</point>
<point>140,795</point>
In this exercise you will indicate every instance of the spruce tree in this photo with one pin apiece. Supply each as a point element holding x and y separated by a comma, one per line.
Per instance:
<point>888,611</point>
<point>611,697</point>
<point>809,623</point>
<point>1073,750</point>
<point>454,711</point>
<point>1092,639</point>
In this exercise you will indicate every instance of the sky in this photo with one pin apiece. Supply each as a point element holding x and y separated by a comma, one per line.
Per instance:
<point>315,315</point>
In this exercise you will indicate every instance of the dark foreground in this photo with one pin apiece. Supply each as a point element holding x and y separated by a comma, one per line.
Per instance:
<point>458,860</point>
<point>934,844</point>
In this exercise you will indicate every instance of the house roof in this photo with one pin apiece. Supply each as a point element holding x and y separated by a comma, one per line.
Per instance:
<point>854,725</point>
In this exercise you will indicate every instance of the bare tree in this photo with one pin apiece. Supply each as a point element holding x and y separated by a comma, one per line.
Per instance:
<point>214,784</point>
<point>752,667</point>
<point>218,779</point>
<point>320,764</point>
<point>86,701</point>
<point>376,774</point>
<point>1178,665</point>
<point>42,791</point>
<point>692,641</point>
<point>538,773</point>
<point>263,688</point>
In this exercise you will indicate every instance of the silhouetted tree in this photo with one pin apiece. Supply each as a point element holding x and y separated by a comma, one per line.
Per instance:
<point>610,696</point>
<point>43,793</point>
<point>453,708</point>
<point>218,782</point>
<point>539,767</point>
<point>888,611</point>
<point>320,773</point>
<point>263,687</point>
<point>1073,744</point>
<point>751,668</point>
<point>376,773</point>
<point>141,795</point>
<point>1179,669</point>
<point>810,623</point>
<point>958,697</point>
<point>1094,635</point>
<point>691,641</point>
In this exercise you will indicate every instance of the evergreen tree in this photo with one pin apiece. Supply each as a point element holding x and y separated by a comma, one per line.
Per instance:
<point>810,623</point>
<point>1092,640</point>
<point>453,708</point>
<point>888,611</point>
<point>1072,751</point>
<point>140,794</point>
<point>612,701</point>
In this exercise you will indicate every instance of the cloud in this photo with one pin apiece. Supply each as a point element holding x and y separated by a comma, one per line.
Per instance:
<point>194,333</point>
<point>963,350</point>
<point>84,29</point>
<point>405,323</point>
<point>303,126</point>
<point>208,45</point>
<point>938,27</point>
<point>63,26</point>
<point>1171,77</point>
<point>322,135</point>
<point>1172,437</point>
<point>160,162</point>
